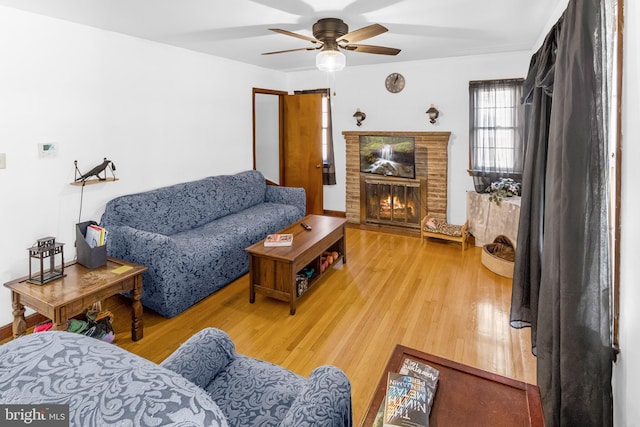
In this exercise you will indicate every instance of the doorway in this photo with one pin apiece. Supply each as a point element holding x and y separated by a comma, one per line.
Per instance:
<point>287,142</point>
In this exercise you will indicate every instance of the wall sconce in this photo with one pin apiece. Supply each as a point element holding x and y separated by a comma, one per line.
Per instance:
<point>360,116</point>
<point>433,114</point>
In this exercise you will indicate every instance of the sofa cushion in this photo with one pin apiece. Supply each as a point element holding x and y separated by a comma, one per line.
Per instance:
<point>187,205</point>
<point>255,393</point>
<point>102,383</point>
<point>234,232</point>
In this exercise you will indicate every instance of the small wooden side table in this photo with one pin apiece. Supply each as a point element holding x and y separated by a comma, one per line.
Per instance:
<point>80,288</point>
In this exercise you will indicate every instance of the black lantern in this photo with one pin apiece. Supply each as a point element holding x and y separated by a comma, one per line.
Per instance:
<point>45,248</point>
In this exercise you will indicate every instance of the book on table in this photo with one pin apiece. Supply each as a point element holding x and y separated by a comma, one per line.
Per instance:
<point>279,240</point>
<point>406,401</point>
<point>409,397</point>
<point>426,372</point>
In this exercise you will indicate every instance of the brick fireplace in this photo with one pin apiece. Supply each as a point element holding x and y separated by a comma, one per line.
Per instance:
<point>431,166</point>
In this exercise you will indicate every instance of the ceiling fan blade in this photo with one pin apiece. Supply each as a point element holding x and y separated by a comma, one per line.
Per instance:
<point>292,50</point>
<point>363,33</point>
<point>293,7</point>
<point>379,50</point>
<point>361,7</point>
<point>299,36</point>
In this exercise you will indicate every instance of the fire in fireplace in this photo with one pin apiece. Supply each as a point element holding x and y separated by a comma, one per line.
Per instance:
<point>396,208</point>
<point>391,201</point>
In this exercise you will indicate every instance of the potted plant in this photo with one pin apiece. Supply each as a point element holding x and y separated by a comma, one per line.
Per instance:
<point>504,187</point>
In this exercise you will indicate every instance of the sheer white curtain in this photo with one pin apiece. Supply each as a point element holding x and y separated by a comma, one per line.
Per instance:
<point>495,131</point>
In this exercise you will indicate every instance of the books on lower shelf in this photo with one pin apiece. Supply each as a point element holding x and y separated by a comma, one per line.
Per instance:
<point>279,240</point>
<point>409,396</point>
<point>95,236</point>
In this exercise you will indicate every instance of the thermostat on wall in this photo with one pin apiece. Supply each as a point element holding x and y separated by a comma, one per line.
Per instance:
<point>47,149</point>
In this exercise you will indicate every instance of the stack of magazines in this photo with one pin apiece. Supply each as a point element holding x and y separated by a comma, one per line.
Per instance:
<point>279,240</point>
<point>409,396</point>
<point>95,236</point>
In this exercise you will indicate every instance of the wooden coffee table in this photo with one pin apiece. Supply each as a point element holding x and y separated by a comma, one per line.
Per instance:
<point>272,270</point>
<point>80,288</point>
<point>467,396</point>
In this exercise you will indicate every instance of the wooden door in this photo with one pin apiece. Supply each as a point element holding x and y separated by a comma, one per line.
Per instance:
<point>303,147</point>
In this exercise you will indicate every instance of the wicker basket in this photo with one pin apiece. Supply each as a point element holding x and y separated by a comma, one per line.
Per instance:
<point>501,266</point>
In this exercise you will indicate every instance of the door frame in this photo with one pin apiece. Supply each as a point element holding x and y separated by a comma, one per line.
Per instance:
<point>280,94</point>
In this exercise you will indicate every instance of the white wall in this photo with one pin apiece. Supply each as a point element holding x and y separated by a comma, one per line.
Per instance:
<point>627,369</point>
<point>267,135</point>
<point>162,114</point>
<point>443,82</point>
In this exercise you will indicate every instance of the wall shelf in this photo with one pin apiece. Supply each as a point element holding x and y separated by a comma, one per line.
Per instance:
<point>93,181</point>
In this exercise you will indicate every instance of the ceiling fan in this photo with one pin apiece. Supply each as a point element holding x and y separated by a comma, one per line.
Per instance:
<point>332,34</point>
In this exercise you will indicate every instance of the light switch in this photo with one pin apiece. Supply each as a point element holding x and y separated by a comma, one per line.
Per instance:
<point>3,160</point>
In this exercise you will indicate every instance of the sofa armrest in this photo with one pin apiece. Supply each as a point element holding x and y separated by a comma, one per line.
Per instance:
<point>325,400</point>
<point>201,357</point>
<point>138,246</point>
<point>288,196</point>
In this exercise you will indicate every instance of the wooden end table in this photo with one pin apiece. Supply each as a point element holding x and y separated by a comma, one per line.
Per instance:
<point>272,270</point>
<point>465,395</point>
<point>80,288</point>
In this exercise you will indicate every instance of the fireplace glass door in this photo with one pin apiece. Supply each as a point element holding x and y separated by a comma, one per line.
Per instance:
<point>392,203</point>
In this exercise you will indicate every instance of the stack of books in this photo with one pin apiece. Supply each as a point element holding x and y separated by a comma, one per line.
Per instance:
<point>409,396</point>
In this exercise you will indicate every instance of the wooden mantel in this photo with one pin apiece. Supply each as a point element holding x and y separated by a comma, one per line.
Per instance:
<point>432,164</point>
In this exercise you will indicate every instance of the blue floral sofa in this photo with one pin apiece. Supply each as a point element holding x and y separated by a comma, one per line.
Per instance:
<point>203,383</point>
<point>193,235</point>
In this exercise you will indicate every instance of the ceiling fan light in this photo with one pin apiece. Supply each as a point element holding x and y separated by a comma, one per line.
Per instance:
<point>330,60</point>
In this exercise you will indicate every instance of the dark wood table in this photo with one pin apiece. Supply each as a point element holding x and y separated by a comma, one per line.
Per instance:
<point>68,296</point>
<point>467,396</point>
<point>272,270</point>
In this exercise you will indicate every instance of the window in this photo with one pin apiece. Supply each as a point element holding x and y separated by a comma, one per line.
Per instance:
<point>496,148</point>
<point>325,128</point>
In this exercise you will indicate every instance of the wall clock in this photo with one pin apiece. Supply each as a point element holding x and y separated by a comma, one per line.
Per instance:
<point>394,82</point>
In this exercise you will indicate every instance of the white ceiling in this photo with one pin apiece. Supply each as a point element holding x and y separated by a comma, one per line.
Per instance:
<point>238,29</point>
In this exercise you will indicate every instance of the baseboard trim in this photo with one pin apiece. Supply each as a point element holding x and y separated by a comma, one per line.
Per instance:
<point>338,214</point>
<point>382,229</point>
<point>32,320</point>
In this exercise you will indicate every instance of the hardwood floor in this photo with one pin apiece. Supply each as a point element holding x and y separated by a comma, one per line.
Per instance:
<point>429,296</point>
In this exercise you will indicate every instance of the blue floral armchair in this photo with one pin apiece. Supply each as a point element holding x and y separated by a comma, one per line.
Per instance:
<point>204,383</point>
<point>252,392</point>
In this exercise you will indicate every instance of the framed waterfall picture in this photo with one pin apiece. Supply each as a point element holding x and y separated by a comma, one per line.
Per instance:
<point>388,155</point>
